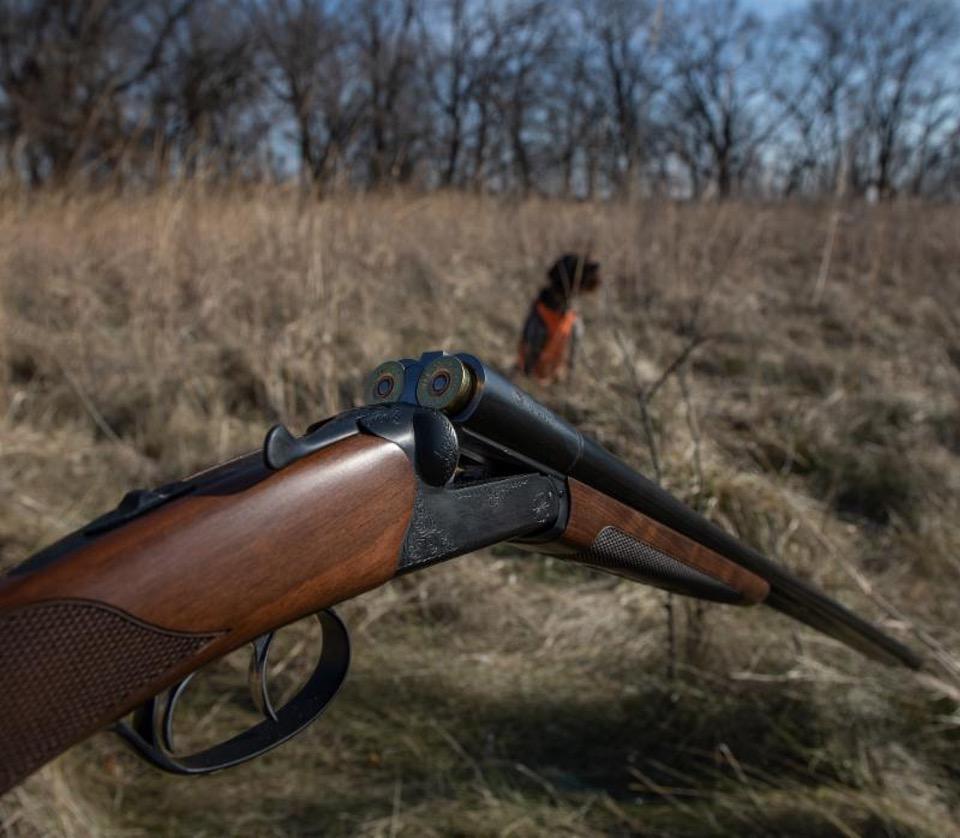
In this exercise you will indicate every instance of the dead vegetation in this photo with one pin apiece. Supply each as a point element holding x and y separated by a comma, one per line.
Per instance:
<point>143,338</point>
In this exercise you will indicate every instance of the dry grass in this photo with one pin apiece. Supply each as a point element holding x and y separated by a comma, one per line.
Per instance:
<point>143,338</point>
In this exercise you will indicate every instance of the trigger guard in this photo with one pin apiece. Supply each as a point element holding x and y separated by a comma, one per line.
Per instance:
<point>151,734</point>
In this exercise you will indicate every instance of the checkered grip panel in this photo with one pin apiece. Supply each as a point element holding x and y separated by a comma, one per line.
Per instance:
<point>616,552</point>
<point>69,668</point>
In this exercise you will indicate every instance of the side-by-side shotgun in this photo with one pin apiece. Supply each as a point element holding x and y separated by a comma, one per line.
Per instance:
<point>106,626</point>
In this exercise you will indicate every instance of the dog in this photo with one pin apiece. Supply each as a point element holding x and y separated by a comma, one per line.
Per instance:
<point>553,330</point>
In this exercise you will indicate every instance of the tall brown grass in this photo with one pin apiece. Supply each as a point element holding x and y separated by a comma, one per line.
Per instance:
<point>142,338</point>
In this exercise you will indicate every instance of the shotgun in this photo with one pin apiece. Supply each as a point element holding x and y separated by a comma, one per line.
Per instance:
<point>107,625</point>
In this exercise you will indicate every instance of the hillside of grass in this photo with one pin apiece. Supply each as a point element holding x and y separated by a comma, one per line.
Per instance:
<point>806,398</point>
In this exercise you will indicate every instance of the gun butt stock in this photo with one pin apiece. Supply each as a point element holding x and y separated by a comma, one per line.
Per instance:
<point>90,634</point>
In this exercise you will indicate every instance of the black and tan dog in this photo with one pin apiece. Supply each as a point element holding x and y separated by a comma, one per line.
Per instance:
<point>552,330</point>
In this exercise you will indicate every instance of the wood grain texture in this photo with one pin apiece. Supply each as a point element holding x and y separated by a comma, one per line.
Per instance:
<point>316,533</point>
<point>591,511</point>
<point>91,635</point>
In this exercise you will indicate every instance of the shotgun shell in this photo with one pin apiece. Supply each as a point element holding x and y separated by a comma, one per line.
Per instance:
<point>385,383</point>
<point>445,384</point>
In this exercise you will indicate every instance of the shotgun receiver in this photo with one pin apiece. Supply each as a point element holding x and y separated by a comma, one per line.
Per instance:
<point>448,457</point>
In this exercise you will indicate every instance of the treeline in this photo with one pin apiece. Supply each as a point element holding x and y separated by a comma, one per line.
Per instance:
<point>585,98</point>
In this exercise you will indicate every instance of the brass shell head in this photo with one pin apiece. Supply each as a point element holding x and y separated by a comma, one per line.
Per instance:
<point>385,383</point>
<point>445,384</point>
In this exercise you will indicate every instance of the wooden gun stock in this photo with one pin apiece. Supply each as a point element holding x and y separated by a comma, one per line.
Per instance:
<point>606,534</point>
<point>90,635</point>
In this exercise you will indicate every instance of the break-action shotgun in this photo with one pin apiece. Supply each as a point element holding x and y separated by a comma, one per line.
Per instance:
<point>447,457</point>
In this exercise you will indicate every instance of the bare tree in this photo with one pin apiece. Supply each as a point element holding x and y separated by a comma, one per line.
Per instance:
<point>63,68</point>
<point>714,116</point>
<point>511,69</point>
<point>308,71</point>
<point>388,61</point>
<point>463,51</point>
<point>450,71</point>
<point>529,35</point>
<point>901,45</point>
<point>867,96</point>
<point>575,124</point>
<point>572,97</point>
<point>623,52</point>
<point>207,98</point>
<point>816,95</point>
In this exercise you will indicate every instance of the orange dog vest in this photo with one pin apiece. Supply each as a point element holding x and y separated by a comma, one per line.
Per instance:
<point>559,326</point>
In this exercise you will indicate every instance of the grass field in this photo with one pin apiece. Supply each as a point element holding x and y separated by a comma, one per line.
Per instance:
<point>807,398</point>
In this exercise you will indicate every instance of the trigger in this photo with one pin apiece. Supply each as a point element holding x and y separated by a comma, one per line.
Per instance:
<point>258,676</point>
<point>165,726</point>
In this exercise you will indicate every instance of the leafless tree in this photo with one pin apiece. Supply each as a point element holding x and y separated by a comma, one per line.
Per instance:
<point>450,35</point>
<point>309,60</point>
<point>867,96</point>
<point>599,98</point>
<point>713,115</point>
<point>527,38</point>
<point>64,64</point>
<point>622,49</point>
<point>387,61</point>
<point>207,97</point>
<point>815,93</point>
<point>900,44</point>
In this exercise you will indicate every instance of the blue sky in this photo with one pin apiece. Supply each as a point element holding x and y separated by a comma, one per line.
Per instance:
<point>773,7</point>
